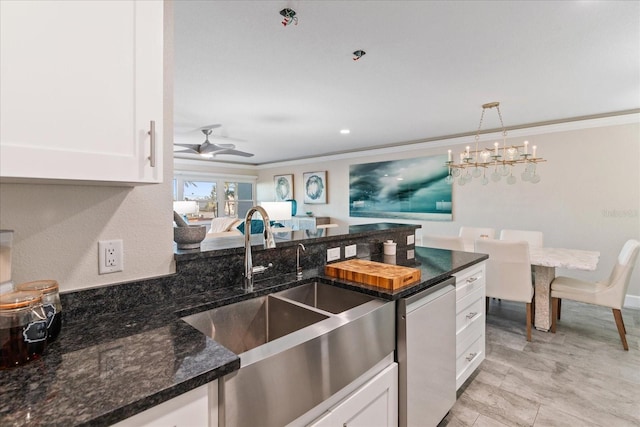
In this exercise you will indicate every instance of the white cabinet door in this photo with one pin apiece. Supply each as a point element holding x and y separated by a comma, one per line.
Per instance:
<point>195,408</point>
<point>375,404</point>
<point>80,84</point>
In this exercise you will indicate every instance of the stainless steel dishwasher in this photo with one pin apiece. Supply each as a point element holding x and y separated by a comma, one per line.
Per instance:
<point>427,355</point>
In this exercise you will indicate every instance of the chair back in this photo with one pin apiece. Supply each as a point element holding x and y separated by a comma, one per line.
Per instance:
<point>508,269</point>
<point>534,238</point>
<point>453,243</point>
<point>621,273</point>
<point>470,234</point>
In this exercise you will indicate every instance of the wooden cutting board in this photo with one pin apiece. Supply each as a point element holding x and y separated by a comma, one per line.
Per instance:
<point>379,274</point>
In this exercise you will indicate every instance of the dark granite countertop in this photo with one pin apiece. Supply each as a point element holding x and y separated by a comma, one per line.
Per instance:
<point>435,265</point>
<point>106,369</point>
<point>99,372</point>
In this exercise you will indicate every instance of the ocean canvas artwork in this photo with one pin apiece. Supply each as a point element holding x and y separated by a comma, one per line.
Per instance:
<point>401,189</point>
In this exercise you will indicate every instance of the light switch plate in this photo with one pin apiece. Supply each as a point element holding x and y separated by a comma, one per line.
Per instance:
<point>333,254</point>
<point>411,239</point>
<point>350,251</point>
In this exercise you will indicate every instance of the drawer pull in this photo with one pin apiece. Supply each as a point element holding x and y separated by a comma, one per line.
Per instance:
<point>472,279</point>
<point>472,314</point>
<point>471,356</point>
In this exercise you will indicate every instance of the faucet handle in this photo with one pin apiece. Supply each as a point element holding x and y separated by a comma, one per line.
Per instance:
<point>261,268</point>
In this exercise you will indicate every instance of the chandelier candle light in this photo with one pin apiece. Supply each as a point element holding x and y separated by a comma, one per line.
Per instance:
<point>474,163</point>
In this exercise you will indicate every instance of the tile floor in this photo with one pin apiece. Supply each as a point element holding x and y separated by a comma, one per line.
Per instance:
<point>579,376</point>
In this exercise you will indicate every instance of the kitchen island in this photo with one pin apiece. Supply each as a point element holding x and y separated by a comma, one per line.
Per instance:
<point>104,367</point>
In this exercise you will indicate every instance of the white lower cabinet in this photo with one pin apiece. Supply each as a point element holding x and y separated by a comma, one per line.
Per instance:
<point>195,408</point>
<point>374,404</point>
<point>470,321</point>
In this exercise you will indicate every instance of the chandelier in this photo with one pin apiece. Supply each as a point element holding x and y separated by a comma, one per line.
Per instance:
<point>497,161</point>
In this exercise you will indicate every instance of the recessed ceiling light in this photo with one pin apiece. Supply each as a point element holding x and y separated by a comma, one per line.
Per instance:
<point>345,131</point>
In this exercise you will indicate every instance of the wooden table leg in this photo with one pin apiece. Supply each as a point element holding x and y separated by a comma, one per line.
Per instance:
<point>543,276</point>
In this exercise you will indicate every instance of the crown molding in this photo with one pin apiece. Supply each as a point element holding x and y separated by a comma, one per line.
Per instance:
<point>527,130</point>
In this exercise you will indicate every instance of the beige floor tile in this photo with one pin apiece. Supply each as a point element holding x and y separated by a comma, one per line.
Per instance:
<point>579,376</point>
<point>500,404</point>
<point>552,417</point>
<point>484,421</point>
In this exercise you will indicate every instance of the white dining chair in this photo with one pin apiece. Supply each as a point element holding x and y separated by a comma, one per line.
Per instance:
<point>607,293</point>
<point>453,243</point>
<point>508,274</point>
<point>470,234</point>
<point>534,238</point>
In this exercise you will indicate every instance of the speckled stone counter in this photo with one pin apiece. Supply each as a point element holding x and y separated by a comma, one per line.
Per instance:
<point>137,353</point>
<point>435,265</point>
<point>99,372</point>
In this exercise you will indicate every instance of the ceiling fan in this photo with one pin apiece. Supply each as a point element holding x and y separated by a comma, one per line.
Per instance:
<point>211,148</point>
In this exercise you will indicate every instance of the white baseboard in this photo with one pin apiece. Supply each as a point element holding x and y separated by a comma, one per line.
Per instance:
<point>632,301</point>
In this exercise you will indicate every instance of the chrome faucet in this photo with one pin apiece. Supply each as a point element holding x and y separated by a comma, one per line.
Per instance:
<point>298,268</point>
<point>269,242</point>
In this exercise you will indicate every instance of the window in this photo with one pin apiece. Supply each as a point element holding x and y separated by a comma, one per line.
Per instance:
<point>216,195</point>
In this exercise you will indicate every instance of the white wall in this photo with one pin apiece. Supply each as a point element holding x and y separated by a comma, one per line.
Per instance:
<point>589,196</point>
<point>57,227</point>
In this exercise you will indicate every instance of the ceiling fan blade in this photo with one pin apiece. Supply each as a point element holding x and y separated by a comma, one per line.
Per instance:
<point>231,152</point>
<point>188,147</point>
<point>224,146</point>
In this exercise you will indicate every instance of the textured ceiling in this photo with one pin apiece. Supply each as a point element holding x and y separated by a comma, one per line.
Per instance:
<point>286,92</point>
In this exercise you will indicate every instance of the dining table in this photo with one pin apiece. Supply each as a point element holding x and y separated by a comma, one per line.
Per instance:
<point>544,262</point>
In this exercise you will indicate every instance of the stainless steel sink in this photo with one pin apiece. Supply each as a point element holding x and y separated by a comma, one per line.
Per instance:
<point>297,348</point>
<point>248,324</point>
<point>325,297</point>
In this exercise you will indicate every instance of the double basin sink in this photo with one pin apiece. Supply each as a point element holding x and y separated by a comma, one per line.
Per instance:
<point>297,347</point>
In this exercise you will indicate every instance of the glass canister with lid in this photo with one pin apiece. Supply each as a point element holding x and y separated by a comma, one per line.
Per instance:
<point>23,328</point>
<point>50,302</point>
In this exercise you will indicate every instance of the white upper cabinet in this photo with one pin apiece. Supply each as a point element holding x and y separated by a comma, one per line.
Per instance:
<point>80,84</point>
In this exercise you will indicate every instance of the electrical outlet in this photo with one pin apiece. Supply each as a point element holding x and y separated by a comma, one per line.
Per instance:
<point>333,254</point>
<point>411,254</point>
<point>109,256</point>
<point>411,239</point>
<point>350,251</point>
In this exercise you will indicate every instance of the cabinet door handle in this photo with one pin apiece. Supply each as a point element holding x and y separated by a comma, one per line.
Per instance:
<point>152,141</point>
<point>472,314</point>
<point>472,279</point>
<point>470,356</point>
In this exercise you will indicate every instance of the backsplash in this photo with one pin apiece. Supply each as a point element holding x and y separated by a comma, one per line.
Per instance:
<point>208,271</point>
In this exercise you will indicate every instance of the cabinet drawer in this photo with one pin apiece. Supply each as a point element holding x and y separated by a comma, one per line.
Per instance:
<point>470,298</point>
<point>469,335</point>
<point>471,312</point>
<point>470,355</point>
<point>469,281</point>
<point>467,362</point>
